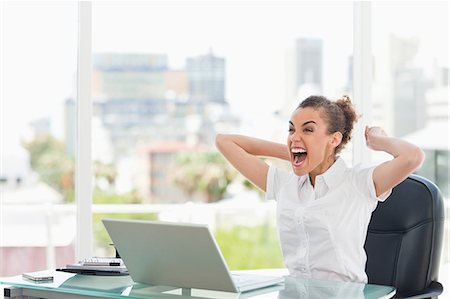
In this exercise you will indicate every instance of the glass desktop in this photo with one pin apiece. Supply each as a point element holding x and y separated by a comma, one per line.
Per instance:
<point>71,285</point>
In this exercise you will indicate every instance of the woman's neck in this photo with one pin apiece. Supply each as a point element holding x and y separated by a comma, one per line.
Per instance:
<point>324,166</point>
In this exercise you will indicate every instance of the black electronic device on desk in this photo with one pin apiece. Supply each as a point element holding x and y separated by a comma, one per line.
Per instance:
<point>105,266</point>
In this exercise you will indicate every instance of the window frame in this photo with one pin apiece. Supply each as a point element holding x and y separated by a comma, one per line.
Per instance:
<point>83,170</point>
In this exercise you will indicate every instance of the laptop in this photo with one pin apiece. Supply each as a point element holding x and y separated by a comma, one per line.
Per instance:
<point>179,255</point>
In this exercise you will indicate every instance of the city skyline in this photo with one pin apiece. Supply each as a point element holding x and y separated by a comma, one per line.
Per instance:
<point>248,89</point>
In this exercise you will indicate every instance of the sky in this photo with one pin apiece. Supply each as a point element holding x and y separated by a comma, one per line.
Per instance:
<point>39,45</point>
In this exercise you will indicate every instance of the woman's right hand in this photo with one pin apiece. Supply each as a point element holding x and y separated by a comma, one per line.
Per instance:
<point>374,138</point>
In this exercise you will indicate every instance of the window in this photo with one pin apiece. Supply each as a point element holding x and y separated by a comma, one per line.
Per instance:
<point>37,106</point>
<point>169,76</point>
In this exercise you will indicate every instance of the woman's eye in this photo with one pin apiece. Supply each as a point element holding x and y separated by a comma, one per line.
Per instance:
<point>291,130</point>
<point>308,130</point>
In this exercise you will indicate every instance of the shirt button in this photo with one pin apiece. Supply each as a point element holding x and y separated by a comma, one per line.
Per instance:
<point>301,252</point>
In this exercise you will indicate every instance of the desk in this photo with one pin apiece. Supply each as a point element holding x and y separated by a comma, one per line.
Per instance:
<point>70,286</point>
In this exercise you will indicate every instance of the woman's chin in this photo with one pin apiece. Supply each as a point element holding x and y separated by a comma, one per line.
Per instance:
<point>299,170</point>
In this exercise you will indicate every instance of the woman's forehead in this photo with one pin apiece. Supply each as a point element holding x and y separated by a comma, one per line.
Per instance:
<point>302,115</point>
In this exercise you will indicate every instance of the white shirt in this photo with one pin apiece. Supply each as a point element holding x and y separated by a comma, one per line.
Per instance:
<point>323,229</point>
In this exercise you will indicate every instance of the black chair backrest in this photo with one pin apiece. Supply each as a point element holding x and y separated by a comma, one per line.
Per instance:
<point>405,237</point>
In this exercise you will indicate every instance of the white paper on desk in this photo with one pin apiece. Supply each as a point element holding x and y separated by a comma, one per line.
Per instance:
<point>58,279</point>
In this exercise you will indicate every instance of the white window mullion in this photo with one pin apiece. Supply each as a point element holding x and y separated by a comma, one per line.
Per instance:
<point>83,171</point>
<point>362,77</point>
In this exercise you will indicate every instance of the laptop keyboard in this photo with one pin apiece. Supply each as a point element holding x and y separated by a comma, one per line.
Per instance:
<point>243,279</point>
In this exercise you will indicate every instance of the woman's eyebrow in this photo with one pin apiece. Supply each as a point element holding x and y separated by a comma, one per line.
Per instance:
<point>309,122</point>
<point>304,124</point>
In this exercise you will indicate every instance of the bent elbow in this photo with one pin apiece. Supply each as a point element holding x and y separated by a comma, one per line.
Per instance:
<point>416,159</point>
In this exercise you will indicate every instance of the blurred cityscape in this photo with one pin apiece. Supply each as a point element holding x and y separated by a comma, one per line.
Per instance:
<point>146,113</point>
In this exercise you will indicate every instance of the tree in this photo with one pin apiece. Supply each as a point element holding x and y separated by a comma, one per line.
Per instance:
<point>206,172</point>
<point>55,167</point>
<point>105,171</point>
<point>49,159</point>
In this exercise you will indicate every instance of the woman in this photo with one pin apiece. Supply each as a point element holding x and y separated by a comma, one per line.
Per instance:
<point>323,207</point>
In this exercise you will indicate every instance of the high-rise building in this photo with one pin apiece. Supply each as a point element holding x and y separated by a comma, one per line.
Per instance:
<point>304,64</point>
<point>206,75</point>
<point>309,60</point>
<point>349,87</point>
<point>394,76</point>
<point>131,92</point>
<point>437,102</point>
<point>409,100</point>
<point>402,52</point>
<point>70,129</point>
<point>129,76</point>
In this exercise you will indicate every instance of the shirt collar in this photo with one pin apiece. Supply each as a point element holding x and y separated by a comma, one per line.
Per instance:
<point>335,174</point>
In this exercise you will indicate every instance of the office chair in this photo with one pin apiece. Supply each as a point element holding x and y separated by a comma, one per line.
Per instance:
<point>404,240</point>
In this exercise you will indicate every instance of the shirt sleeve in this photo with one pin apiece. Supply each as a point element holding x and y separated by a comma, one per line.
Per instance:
<point>275,179</point>
<point>363,178</point>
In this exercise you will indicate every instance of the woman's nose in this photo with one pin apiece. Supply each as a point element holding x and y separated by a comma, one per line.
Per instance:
<point>295,136</point>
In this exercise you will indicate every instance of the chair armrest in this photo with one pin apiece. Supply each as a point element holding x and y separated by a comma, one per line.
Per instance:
<point>433,290</point>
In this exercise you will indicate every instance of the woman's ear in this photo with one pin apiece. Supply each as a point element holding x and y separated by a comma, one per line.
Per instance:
<point>336,139</point>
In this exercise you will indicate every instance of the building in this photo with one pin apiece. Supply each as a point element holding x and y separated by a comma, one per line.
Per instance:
<point>437,101</point>
<point>309,62</point>
<point>206,75</point>
<point>158,165</point>
<point>135,95</point>
<point>304,71</point>
<point>410,86</point>
<point>128,76</point>
<point>70,129</point>
<point>130,93</point>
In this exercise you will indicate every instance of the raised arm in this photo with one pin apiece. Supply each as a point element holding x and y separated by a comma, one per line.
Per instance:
<point>243,153</point>
<point>407,158</point>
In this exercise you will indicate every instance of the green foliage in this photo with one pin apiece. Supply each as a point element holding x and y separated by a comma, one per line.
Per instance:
<point>102,197</point>
<point>107,171</point>
<point>251,187</point>
<point>55,167</point>
<point>101,237</point>
<point>207,173</point>
<point>250,247</point>
<point>49,159</point>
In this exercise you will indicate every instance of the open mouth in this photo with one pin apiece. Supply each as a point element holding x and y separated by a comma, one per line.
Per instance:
<point>298,155</point>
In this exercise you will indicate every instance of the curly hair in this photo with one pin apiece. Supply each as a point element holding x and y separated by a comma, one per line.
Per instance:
<point>340,115</point>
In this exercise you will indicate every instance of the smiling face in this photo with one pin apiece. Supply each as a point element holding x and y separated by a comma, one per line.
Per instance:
<point>311,146</point>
